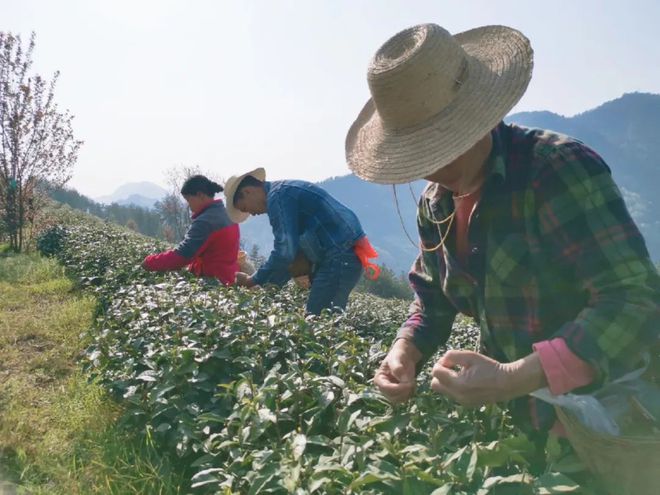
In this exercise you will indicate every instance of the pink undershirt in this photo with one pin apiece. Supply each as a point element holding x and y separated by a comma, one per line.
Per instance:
<point>563,370</point>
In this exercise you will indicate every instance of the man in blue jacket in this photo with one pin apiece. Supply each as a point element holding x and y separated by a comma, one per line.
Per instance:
<point>305,219</point>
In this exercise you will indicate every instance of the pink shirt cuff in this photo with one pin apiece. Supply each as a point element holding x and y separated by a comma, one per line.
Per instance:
<point>563,369</point>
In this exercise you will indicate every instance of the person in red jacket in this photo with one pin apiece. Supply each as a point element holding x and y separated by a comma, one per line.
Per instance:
<point>210,247</point>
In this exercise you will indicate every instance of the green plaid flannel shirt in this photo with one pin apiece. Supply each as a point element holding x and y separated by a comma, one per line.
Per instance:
<point>553,253</point>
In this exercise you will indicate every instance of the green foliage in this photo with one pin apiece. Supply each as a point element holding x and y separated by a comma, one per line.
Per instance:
<point>388,285</point>
<point>50,241</point>
<point>146,221</point>
<point>255,397</point>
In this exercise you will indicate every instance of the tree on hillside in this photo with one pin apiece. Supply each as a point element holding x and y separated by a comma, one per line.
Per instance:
<point>75,200</point>
<point>256,256</point>
<point>146,221</point>
<point>36,138</point>
<point>132,224</point>
<point>174,214</point>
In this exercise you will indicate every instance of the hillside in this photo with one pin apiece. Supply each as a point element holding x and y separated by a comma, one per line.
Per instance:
<point>144,219</point>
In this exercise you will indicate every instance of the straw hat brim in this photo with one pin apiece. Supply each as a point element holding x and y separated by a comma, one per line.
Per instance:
<point>500,62</point>
<point>236,215</point>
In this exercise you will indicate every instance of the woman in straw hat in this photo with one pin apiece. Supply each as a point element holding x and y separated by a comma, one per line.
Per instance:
<point>523,229</point>
<point>314,234</point>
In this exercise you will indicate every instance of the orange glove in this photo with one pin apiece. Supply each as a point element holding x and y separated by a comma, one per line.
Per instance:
<point>364,250</point>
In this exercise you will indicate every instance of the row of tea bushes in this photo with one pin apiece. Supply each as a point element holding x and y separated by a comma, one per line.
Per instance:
<point>254,397</point>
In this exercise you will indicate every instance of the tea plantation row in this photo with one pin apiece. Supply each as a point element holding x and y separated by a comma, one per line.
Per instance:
<point>256,398</point>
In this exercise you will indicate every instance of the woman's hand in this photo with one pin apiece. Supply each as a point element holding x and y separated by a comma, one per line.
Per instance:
<point>300,266</point>
<point>303,282</point>
<point>473,379</point>
<point>396,376</point>
<point>244,280</point>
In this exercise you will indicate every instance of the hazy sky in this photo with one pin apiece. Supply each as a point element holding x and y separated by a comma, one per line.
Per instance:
<point>229,85</point>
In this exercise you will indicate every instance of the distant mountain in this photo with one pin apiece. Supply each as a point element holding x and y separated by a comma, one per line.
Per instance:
<point>138,200</point>
<point>625,132</point>
<point>143,194</point>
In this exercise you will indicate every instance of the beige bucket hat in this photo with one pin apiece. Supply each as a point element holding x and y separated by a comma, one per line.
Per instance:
<point>231,184</point>
<point>433,96</point>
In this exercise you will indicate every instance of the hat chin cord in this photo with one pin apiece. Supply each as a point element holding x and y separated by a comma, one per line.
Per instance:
<point>449,220</point>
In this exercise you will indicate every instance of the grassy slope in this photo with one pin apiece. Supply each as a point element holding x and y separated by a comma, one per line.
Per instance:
<point>58,432</point>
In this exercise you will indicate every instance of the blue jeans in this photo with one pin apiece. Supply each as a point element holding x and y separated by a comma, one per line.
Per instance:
<point>333,280</point>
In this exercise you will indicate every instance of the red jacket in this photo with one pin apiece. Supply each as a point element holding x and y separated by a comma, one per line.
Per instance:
<point>210,247</point>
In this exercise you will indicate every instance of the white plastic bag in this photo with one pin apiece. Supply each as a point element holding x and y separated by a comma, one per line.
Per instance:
<point>601,410</point>
<point>586,408</point>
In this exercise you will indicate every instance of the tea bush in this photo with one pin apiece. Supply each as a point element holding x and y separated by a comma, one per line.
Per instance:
<point>254,397</point>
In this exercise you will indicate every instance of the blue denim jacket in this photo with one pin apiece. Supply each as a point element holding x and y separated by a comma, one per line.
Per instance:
<point>304,216</point>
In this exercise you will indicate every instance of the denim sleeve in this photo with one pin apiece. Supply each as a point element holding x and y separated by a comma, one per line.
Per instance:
<point>283,216</point>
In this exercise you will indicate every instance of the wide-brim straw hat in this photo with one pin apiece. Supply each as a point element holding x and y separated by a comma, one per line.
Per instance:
<point>236,215</point>
<point>433,97</point>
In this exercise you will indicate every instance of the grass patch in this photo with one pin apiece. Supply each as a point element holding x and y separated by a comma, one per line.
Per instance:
<point>58,431</point>
<point>29,269</point>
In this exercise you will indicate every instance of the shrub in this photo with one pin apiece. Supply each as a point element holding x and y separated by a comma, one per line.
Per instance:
<point>255,397</point>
